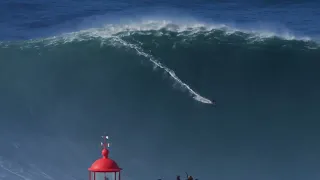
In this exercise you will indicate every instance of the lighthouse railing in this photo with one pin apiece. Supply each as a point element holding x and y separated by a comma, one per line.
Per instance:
<point>104,175</point>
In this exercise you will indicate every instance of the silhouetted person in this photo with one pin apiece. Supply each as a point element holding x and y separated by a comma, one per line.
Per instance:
<point>190,178</point>
<point>178,177</point>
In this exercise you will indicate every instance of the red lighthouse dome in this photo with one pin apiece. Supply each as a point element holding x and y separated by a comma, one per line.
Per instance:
<point>104,164</point>
<point>104,168</point>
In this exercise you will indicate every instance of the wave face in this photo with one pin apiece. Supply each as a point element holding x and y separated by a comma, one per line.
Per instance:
<point>154,83</point>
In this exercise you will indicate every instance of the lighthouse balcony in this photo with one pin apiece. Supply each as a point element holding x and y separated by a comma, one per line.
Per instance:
<point>104,175</point>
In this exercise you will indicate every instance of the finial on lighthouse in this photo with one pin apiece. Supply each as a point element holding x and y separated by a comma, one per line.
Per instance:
<point>105,165</point>
<point>105,145</point>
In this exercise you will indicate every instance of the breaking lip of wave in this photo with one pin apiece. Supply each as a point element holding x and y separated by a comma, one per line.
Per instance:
<point>190,27</point>
<point>114,33</point>
<point>144,27</point>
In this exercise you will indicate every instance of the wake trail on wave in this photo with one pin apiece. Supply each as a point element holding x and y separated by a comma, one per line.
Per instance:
<point>158,64</point>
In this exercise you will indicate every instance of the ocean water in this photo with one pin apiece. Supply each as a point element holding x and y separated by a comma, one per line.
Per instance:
<point>146,73</point>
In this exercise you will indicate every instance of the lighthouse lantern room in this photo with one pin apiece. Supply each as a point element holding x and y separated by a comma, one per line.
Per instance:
<point>104,168</point>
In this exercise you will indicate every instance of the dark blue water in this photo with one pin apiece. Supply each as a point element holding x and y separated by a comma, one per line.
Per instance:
<point>23,20</point>
<point>147,72</point>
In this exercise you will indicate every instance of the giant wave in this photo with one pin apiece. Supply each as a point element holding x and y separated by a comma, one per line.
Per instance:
<point>157,42</point>
<point>59,93</point>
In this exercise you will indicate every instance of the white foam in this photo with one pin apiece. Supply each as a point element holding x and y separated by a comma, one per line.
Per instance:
<point>192,27</point>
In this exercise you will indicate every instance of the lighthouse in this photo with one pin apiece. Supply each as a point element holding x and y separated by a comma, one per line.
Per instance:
<point>104,168</point>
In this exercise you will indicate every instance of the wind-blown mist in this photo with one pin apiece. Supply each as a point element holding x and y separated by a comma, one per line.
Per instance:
<point>149,89</point>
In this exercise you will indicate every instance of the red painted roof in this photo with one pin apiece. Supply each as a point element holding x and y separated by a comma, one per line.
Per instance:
<point>104,164</point>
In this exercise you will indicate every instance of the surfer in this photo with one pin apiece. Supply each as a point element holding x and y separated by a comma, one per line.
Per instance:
<point>178,177</point>
<point>214,103</point>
